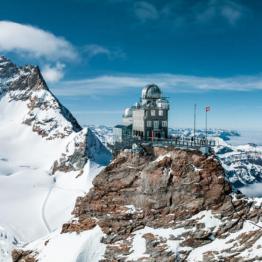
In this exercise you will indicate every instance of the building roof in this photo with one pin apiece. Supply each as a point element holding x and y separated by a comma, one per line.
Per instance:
<point>123,126</point>
<point>128,112</point>
<point>151,91</point>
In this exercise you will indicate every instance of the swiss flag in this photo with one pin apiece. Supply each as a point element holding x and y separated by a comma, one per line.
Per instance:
<point>208,108</point>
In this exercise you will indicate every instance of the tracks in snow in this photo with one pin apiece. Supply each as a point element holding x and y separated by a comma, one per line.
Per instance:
<point>44,206</point>
<point>46,200</point>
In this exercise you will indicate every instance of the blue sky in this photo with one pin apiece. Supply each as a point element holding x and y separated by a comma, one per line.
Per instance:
<point>97,55</point>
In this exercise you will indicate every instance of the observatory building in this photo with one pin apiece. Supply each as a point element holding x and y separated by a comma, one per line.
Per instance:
<point>147,119</point>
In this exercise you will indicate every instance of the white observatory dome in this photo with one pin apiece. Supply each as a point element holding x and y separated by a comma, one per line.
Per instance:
<point>128,112</point>
<point>151,91</point>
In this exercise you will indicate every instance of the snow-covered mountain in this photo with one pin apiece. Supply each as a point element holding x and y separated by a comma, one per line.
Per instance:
<point>188,132</point>
<point>104,133</point>
<point>59,203</point>
<point>46,158</point>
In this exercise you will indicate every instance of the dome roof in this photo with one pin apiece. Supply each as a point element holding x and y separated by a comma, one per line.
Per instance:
<point>128,112</point>
<point>151,91</point>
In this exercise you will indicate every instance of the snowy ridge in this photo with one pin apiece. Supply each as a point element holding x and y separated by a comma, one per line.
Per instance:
<point>243,164</point>
<point>36,131</point>
<point>104,133</point>
<point>76,246</point>
<point>44,112</point>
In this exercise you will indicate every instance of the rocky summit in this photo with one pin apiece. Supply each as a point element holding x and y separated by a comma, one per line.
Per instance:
<point>170,205</point>
<point>45,114</point>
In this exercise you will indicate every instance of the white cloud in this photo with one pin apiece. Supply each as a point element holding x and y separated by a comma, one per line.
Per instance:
<point>201,12</point>
<point>230,11</point>
<point>96,50</point>
<point>53,73</point>
<point>29,40</point>
<point>107,85</point>
<point>145,11</point>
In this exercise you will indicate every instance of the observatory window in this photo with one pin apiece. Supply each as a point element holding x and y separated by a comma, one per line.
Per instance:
<point>156,124</point>
<point>148,123</point>
<point>161,113</point>
<point>153,112</point>
<point>164,123</point>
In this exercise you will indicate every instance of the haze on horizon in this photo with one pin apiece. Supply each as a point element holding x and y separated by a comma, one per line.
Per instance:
<point>97,56</point>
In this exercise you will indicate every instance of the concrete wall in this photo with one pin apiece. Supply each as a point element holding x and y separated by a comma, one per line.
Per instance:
<point>141,118</point>
<point>138,120</point>
<point>117,135</point>
<point>161,131</point>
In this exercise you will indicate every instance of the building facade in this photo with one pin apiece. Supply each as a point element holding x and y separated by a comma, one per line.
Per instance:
<point>122,133</point>
<point>148,117</point>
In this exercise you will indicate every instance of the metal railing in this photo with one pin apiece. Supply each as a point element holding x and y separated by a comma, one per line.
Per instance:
<point>178,142</point>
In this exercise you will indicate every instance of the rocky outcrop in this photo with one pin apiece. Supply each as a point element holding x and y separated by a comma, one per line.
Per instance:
<point>75,156</point>
<point>168,189</point>
<point>171,205</point>
<point>85,145</point>
<point>23,256</point>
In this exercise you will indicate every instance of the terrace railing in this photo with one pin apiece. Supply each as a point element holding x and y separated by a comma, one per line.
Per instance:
<point>176,142</point>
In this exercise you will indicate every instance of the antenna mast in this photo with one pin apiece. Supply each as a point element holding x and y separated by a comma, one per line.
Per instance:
<point>195,106</point>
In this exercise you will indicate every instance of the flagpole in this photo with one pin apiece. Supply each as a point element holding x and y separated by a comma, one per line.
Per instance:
<point>195,122</point>
<point>206,125</point>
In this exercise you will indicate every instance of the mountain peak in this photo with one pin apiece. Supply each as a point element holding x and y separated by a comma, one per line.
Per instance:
<point>2,58</point>
<point>47,116</point>
<point>7,68</point>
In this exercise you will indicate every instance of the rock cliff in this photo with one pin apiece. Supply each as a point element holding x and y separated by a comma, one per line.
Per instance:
<point>173,205</point>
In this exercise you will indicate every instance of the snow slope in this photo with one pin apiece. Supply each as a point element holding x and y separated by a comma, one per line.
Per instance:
<point>72,247</point>
<point>36,132</point>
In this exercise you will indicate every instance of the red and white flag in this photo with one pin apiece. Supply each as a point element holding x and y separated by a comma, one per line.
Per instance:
<point>208,108</point>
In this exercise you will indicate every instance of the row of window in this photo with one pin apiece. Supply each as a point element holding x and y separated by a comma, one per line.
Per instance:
<point>156,124</point>
<point>154,112</point>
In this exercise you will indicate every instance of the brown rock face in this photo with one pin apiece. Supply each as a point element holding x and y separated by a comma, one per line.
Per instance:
<point>168,198</point>
<point>85,224</point>
<point>23,256</point>
<point>166,189</point>
<point>180,182</point>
